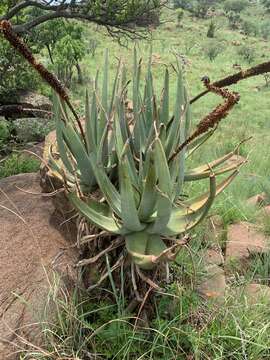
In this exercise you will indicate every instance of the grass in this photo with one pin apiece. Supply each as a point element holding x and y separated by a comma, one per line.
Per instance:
<point>17,164</point>
<point>184,328</point>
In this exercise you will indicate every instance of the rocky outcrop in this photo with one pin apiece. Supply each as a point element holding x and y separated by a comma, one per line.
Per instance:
<point>33,246</point>
<point>244,239</point>
<point>25,104</point>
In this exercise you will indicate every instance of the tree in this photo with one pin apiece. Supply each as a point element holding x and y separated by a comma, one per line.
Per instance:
<point>266,4</point>
<point>117,16</point>
<point>44,23</point>
<point>235,5</point>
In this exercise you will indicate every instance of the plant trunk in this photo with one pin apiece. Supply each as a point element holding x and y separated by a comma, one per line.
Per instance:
<point>79,72</point>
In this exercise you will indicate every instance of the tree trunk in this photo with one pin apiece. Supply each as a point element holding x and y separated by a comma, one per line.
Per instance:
<point>50,53</point>
<point>79,72</point>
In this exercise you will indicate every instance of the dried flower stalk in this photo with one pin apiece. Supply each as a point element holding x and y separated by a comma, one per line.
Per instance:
<point>235,78</point>
<point>51,79</point>
<point>212,119</point>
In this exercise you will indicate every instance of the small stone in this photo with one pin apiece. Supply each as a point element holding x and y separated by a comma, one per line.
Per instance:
<point>213,284</point>
<point>257,200</point>
<point>213,257</point>
<point>266,210</point>
<point>256,293</point>
<point>243,239</point>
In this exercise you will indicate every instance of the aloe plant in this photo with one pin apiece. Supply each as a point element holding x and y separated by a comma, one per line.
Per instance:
<point>137,165</point>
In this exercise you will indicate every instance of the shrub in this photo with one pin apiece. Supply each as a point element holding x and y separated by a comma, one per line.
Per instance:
<point>213,49</point>
<point>250,28</point>
<point>183,4</point>
<point>247,53</point>
<point>180,16</point>
<point>265,29</point>
<point>235,5</point>
<point>211,30</point>
<point>234,20</point>
<point>266,4</point>
<point>4,131</point>
<point>17,164</point>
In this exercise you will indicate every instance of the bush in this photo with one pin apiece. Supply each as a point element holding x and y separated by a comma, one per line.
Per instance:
<point>180,16</point>
<point>182,4</point>
<point>247,53</point>
<point>265,29</point>
<point>17,164</point>
<point>250,28</point>
<point>234,20</point>
<point>266,4</point>
<point>212,50</point>
<point>4,131</point>
<point>235,5</point>
<point>211,30</point>
<point>201,7</point>
<point>15,74</point>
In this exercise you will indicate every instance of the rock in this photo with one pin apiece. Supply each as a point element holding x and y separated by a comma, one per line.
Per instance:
<point>256,293</point>
<point>266,210</point>
<point>213,257</point>
<point>32,248</point>
<point>257,200</point>
<point>243,239</point>
<point>28,99</point>
<point>213,284</point>
<point>25,104</point>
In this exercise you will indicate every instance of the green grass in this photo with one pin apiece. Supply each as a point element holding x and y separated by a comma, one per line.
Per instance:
<point>184,327</point>
<point>17,164</point>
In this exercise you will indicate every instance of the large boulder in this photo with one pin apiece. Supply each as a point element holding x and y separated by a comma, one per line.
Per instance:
<point>243,240</point>
<point>25,104</point>
<point>33,246</point>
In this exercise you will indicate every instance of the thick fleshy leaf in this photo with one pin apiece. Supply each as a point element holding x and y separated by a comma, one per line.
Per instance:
<point>90,123</point>
<point>144,248</point>
<point>204,171</point>
<point>194,210</point>
<point>149,193</point>
<point>94,212</point>
<point>164,188</point>
<point>78,150</point>
<point>129,212</point>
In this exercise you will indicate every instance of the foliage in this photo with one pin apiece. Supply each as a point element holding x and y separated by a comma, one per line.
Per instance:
<point>250,28</point>
<point>234,19</point>
<point>211,29</point>
<point>235,5</point>
<point>14,73</point>
<point>69,51</point>
<point>118,17</point>
<point>201,7</point>
<point>17,164</point>
<point>183,4</point>
<point>266,4</point>
<point>140,171</point>
<point>265,29</point>
<point>64,42</point>
<point>4,132</point>
<point>213,49</point>
<point>180,16</point>
<point>247,53</point>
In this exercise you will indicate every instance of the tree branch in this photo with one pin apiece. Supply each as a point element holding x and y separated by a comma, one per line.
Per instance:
<point>107,17</point>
